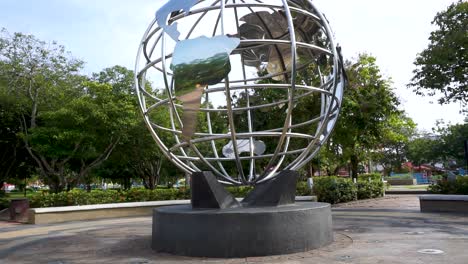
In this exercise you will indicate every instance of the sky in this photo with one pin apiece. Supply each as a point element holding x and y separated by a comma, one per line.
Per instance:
<point>105,33</point>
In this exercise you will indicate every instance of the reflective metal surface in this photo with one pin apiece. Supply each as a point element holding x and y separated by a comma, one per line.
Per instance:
<point>168,10</point>
<point>250,87</point>
<point>201,62</point>
<point>243,146</point>
<point>196,64</point>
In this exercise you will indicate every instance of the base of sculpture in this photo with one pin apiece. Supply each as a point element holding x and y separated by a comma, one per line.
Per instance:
<point>241,232</point>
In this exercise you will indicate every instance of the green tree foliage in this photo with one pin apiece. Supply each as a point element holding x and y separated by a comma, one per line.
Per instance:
<point>82,133</point>
<point>368,107</point>
<point>452,139</point>
<point>424,150</point>
<point>447,146</point>
<point>37,76</point>
<point>14,159</point>
<point>137,156</point>
<point>391,151</point>
<point>68,125</point>
<point>442,66</point>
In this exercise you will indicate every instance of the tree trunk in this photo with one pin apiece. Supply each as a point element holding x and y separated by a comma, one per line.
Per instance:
<point>335,172</point>
<point>127,183</point>
<point>55,185</point>
<point>354,166</point>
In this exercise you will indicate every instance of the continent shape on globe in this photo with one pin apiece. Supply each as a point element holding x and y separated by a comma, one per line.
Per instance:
<point>202,61</point>
<point>196,63</point>
<point>172,6</point>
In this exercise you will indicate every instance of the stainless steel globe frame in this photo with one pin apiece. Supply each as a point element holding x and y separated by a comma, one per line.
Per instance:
<point>154,55</point>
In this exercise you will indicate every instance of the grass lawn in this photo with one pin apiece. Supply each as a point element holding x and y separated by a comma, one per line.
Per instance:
<point>410,187</point>
<point>418,187</point>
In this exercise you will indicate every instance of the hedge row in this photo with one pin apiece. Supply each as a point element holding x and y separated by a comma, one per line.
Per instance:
<point>327,189</point>
<point>459,186</point>
<point>339,190</point>
<point>4,202</point>
<point>81,197</point>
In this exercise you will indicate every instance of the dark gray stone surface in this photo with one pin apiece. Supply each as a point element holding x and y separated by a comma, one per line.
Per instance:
<point>207,192</point>
<point>241,232</point>
<point>278,191</point>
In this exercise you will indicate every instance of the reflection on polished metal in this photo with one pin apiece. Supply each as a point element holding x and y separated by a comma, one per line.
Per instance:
<point>243,145</point>
<point>197,63</point>
<point>202,61</point>
<point>231,63</point>
<point>172,7</point>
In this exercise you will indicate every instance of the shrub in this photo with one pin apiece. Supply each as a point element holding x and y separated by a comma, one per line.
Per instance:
<point>338,190</point>
<point>302,189</point>
<point>81,197</point>
<point>4,201</point>
<point>334,189</point>
<point>372,176</point>
<point>328,189</point>
<point>370,189</point>
<point>459,186</point>
<point>239,191</point>
<point>437,177</point>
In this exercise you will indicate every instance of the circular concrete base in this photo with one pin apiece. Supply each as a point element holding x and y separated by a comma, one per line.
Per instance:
<point>242,232</point>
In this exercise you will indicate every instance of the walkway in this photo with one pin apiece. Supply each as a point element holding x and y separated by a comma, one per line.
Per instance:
<point>387,230</point>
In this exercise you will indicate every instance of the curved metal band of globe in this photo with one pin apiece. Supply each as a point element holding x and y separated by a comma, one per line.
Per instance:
<point>298,125</point>
<point>241,136</point>
<point>301,160</point>
<point>269,34</point>
<point>232,126</point>
<point>291,152</point>
<point>310,90</point>
<point>184,161</point>
<point>213,7</point>
<point>249,111</point>
<point>213,143</point>
<point>148,56</point>
<point>262,42</point>
<point>173,111</point>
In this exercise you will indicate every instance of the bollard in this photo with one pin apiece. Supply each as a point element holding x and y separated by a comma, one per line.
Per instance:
<point>310,183</point>
<point>19,209</point>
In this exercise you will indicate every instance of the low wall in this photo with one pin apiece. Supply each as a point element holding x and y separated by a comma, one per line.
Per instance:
<point>444,203</point>
<point>94,212</point>
<point>401,181</point>
<point>101,211</point>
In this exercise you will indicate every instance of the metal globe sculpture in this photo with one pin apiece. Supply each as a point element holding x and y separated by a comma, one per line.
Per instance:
<point>241,88</point>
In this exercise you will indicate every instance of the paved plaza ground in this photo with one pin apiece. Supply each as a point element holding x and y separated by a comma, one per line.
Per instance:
<point>386,230</point>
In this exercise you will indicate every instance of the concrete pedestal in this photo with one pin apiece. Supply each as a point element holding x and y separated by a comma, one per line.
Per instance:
<point>241,232</point>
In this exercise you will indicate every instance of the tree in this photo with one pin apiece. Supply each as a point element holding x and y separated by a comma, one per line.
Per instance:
<point>69,125</point>
<point>37,76</point>
<point>81,134</point>
<point>138,155</point>
<point>367,109</point>
<point>14,159</point>
<point>443,65</point>
<point>424,150</point>
<point>391,152</point>
<point>452,139</point>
